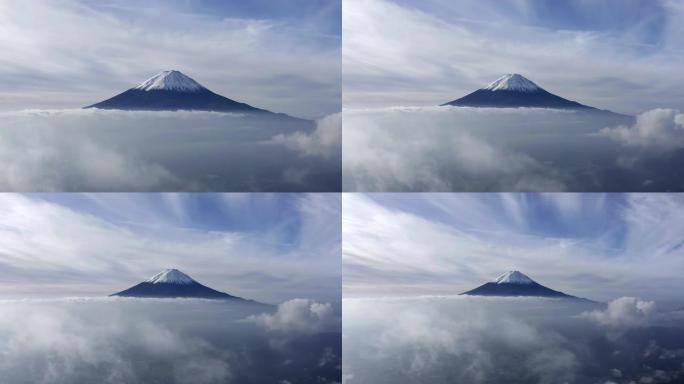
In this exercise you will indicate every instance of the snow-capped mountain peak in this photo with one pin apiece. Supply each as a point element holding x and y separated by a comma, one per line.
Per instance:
<point>515,283</point>
<point>170,276</point>
<point>170,81</point>
<point>513,82</point>
<point>172,283</point>
<point>513,277</point>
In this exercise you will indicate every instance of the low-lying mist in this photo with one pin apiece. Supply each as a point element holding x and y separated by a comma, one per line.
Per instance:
<point>117,340</point>
<point>461,339</point>
<point>99,150</point>
<point>508,149</point>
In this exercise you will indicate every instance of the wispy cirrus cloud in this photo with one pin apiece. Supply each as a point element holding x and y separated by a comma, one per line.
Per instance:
<point>596,246</point>
<point>615,55</point>
<point>77,52</point>
<point>264,247</point>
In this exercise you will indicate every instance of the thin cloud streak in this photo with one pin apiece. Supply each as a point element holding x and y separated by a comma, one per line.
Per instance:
<point>429,53</point>
<point>51,247</point>
<point>74,53</point>
<point>596,246</point>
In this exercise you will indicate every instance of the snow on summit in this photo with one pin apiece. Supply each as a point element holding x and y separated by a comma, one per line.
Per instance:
<point>514,91</point>
<point>170,81</point>
<point>170,276</point>
<point>513,82</point>
<point>513,277</point>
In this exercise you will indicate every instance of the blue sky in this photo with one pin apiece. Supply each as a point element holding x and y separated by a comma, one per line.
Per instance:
<point>563,216</point>
<point>322,14</point>
<point>292,9</point>
<point>642,20</point>
<point>277,215</point>
<point>283,56</point>
<point>268,247</point>
<point>600,246</point>
<point>619,55</point>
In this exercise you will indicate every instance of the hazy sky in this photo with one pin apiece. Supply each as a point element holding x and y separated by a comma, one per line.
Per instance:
<point>620,55</point>
<point>282,56</point>
<point>600,246</point>
<point>267,247</point>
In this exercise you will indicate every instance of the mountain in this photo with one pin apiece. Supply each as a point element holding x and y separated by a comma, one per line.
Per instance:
<point>514,90</point>
<point>173,283</point>
<point>172,91</point>
<point>515,283</point>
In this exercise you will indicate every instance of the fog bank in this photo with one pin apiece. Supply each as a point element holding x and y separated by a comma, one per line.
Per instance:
<point>510,340</point>
<point>96,150</point>
<point>506,149</point>
<point>114,340</point>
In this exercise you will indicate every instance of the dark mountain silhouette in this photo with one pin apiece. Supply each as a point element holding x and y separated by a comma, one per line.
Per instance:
<point>172,283</point>
<point>173,91</point>
<point>514,90</point>
<point>515,283</point>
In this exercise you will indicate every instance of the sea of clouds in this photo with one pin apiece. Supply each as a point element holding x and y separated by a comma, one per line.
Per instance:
<point>523,149</point>
<point>124,340</point>
<point>510,340</point>
<point>96,150</point>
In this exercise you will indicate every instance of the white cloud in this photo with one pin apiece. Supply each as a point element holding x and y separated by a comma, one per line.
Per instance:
<point>659,129</point>
<point>616,372</point>
<point>45,159</point>
<point>459,338</point>
<point>457,149</point>
<point>324,141</point>
<point>442,149</point>
<point>653,222</point>
<point>456,338</point>
<point>113,341</point>
<point>623,312</point>
<point>298,315</point>
<point>94,150</point>
<point>63,343</point>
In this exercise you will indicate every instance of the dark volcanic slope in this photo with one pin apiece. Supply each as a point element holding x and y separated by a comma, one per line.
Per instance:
<point>516,283</point>
<point>172,290</point>
<point>505,98</point>
<point>514,90</point>
<point>173,91</point>
<point>530,289</point>
<point>170,100</point>
<point>172,283</point>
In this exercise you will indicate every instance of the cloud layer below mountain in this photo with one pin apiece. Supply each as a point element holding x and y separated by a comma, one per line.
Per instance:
<point>657,129</point>
<point>515,340</point>
<point>527,149</point>
<point>147,340</point>
<point>92,150</point>
<point>298,315</point>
